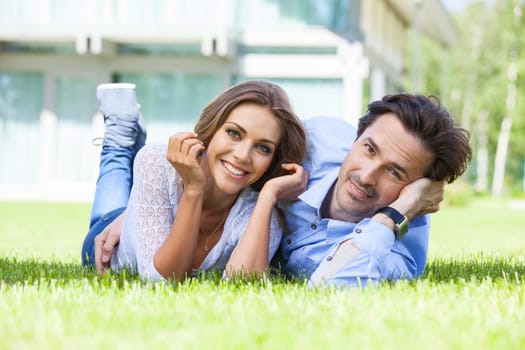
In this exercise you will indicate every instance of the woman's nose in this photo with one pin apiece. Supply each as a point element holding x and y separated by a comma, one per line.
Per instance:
<point>242,151</point>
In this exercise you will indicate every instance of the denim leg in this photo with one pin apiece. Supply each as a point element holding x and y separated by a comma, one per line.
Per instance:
<point>111,196</point>
<point>124,135</point>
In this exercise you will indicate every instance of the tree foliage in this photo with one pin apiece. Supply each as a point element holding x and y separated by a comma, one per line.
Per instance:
<point>472,79</point>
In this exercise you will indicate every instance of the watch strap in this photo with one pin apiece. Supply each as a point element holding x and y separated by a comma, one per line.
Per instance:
<point>400,221</point>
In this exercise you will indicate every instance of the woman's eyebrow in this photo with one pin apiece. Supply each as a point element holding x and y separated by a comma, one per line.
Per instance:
<point>243,131</point>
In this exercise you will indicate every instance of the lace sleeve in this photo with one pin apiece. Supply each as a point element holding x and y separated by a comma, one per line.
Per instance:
<point>276,234</point>
<point>151,206</point>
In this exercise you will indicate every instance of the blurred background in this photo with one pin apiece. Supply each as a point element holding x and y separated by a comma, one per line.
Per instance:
<point>332,56</point>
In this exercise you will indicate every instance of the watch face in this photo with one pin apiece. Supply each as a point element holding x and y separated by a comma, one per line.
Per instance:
<point>400,221</point>
<point>402,228</point>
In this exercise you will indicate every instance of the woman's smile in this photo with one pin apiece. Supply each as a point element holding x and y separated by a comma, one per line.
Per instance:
<point>232,169</point>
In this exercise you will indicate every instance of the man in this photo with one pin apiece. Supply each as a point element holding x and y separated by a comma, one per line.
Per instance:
<point>362,218</point>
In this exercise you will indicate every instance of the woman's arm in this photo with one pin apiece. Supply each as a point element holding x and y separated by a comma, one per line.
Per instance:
<point>174,258</point>
<point>251,254</point>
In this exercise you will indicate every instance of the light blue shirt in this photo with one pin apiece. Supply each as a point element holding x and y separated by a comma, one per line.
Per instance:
<point>312,239</point>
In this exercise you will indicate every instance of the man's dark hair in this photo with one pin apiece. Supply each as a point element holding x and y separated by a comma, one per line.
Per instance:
<point>426,119</point>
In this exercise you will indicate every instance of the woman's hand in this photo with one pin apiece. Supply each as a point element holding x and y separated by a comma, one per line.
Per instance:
<point>287,187</point>
<point>251,254</point>
<point>184,151</point>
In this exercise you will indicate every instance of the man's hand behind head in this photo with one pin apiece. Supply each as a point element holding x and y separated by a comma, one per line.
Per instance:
<point>419,197</point>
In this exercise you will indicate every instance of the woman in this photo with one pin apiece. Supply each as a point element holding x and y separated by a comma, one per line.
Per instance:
<point>207,200</point>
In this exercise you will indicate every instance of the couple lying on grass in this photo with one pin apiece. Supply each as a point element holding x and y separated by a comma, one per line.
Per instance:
<point>255,186</point>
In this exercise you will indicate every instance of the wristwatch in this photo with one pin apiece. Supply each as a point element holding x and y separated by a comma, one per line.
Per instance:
<point>400,221</point>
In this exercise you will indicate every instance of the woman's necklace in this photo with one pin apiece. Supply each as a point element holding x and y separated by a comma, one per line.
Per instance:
<point>206,247</point>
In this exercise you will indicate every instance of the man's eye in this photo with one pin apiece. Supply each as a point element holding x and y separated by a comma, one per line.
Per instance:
<point>394,172</point>
<point>264,149</point>
<point>369,148</point>
<point>233,133</point>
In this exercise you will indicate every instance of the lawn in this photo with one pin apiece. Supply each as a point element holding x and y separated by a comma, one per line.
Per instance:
<point>472,295</point>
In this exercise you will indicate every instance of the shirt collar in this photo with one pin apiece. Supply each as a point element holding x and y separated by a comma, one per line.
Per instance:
<point>315,194</point>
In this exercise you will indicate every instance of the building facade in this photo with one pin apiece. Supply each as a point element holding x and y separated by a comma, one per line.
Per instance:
<point>330,56</point>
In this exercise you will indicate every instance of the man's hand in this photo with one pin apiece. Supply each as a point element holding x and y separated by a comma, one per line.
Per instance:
<point>106,241</point>
<point>420,197</point>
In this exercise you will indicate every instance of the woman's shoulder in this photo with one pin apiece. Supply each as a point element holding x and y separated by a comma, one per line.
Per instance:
<point>151,165</point>
<point>153,150</point>
<point>152,154</point>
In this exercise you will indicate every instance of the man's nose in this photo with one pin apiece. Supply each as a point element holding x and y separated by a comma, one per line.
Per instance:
<point>369,174</point>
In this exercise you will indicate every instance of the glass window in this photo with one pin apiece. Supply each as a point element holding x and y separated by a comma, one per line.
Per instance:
<point>78,11</point>
<point>21,100</point>
<point>75,107</point>
<point>288,50</point>
<point>312,97</point>
<point>172,102</point>
<point>332,14</point>
<point>160,50</point>
<point>38,48</point>
<point>136,12</point>
<point>23,11</point>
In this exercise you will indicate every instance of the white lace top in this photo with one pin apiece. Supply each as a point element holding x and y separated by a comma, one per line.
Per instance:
<point>152,206</point>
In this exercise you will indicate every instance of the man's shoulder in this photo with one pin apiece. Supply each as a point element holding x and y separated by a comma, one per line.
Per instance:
<point>329,141</point>
<point>324,123</point>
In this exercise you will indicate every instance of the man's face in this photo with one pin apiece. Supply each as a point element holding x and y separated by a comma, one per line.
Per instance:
<point>383,160</point>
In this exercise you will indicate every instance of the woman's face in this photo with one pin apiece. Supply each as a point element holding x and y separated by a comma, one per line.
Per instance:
<point>242,149</point>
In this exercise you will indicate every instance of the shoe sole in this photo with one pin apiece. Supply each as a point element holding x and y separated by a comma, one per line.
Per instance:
<point>108,86</point>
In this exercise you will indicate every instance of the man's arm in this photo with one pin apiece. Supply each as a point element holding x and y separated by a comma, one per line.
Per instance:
<point>373,254</point>
<point>106,241</point>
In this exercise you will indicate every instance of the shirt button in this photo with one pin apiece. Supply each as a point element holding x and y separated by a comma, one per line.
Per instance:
<point>313,226</point>
<point>329,258</point>
<point>358,230</point>
<point>288,241</point>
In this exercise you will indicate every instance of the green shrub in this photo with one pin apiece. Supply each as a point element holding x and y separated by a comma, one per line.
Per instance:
<point>458,194</point>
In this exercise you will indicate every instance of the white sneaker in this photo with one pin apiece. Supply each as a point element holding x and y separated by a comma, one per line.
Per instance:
<point>118,104</point>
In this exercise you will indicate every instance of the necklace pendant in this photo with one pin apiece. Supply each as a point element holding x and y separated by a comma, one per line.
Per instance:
<point>208,236</point>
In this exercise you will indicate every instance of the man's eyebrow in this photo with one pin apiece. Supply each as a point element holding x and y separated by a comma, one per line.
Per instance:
<point>243,131</point>
<point>395,165</point>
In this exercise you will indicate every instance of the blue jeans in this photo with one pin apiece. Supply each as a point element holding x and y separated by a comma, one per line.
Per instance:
<point>111,196</point>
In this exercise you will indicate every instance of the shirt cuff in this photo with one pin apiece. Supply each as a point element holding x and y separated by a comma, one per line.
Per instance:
<point>373,237</point>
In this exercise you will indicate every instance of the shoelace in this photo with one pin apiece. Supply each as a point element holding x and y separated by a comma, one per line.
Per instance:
<point>97,141</point>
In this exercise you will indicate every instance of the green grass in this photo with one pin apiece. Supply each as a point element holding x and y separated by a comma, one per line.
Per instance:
<point>472,295</point>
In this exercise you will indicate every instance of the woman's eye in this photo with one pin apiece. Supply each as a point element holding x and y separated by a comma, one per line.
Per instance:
<point>233,133</point>
<point>264,148</point>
